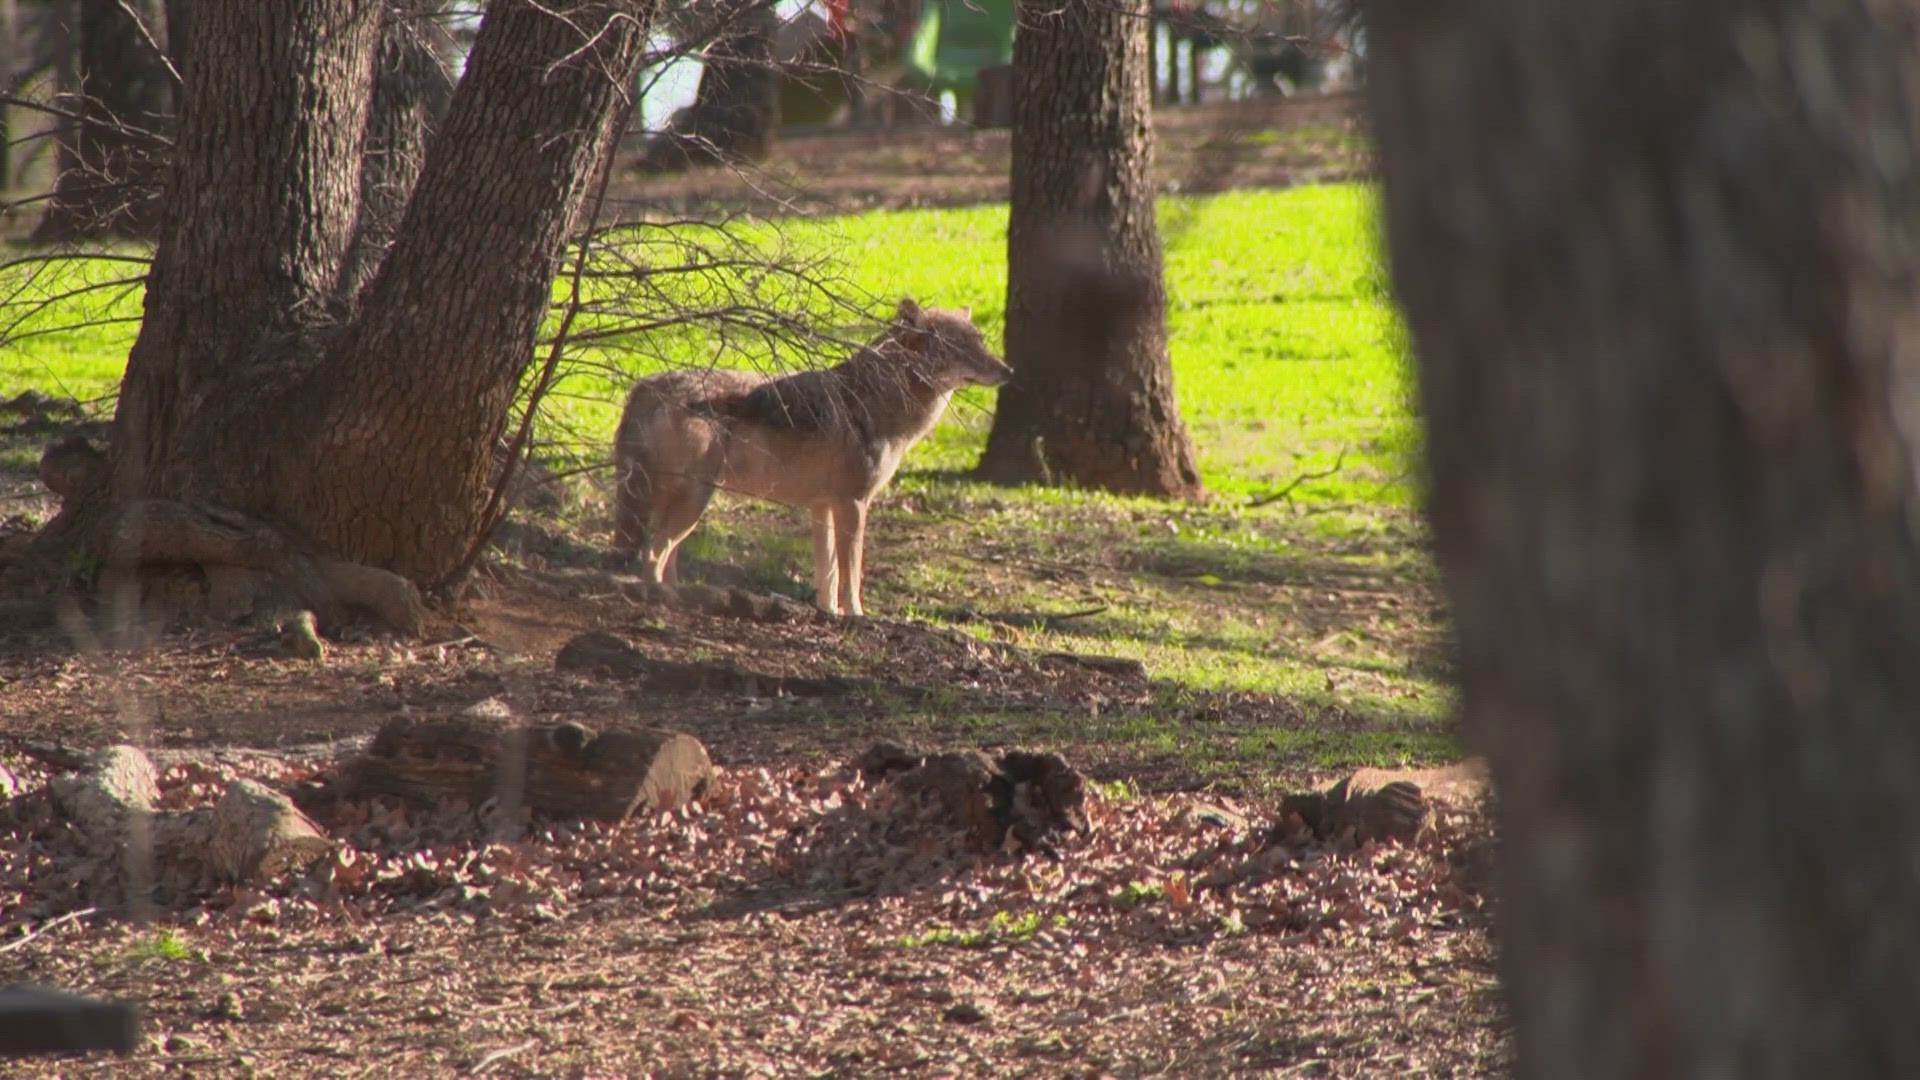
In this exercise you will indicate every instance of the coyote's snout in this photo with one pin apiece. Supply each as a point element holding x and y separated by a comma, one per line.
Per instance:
<point>827,440</point>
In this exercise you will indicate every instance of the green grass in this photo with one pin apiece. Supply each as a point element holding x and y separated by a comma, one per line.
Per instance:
<point>1286,351</point>
<point>1289,360</point>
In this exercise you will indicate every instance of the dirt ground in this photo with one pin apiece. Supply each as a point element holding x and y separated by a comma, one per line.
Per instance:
<point>1198,150</point>
<point>783,924</point>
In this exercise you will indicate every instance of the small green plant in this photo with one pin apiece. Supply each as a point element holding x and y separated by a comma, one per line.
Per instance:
<point>81,568</point>
<point>1003,929</point>
<point>1119,791</point>
<point>1135,893</point>
<point>161,945</point>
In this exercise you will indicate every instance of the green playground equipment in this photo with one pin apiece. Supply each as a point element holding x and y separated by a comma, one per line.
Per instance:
<point>957,38</point>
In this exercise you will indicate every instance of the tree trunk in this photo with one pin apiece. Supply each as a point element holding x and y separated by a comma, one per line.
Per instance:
<point>1659,263</point>
<point>737,105</point>
<point>367,438</point>
<point>12,57</point>
<point>109,180</point>
<point>412,87</point>
<point>1092,403</point>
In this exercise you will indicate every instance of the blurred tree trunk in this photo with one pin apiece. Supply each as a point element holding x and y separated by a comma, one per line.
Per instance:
<point>1660,263</point>
<point>109,181</point>
<point>737,105</point>
<point>367,436</point>
<point>13,48</point>
<point>1092,403</point>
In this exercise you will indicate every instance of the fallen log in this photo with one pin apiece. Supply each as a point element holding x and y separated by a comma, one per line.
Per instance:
<point>249,837</point>
<point>254,833</point>
<point>567,769</point>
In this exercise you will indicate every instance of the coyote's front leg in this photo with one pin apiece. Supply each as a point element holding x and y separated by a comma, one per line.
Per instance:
<point>850,536</point>
<point>825,580</point>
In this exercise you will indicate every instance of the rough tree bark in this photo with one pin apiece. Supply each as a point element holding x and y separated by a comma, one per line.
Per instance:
<point>365,438</point>
<point>412,86</point>
<point>1093,401</point>
<point>737,105</point>
<point>108,183</point>
<point>1660,264</point>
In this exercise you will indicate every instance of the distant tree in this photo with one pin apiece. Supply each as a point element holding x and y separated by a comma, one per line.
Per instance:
<point>1660,263</point>
<point>108,184</point>
<point>267,421</point>
<point>12,57</point>
<point>736,107</point>
<point>1093,401</point>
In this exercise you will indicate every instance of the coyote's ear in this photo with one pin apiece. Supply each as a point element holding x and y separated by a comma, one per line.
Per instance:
<point>908,313</point>
<point>966,311</point>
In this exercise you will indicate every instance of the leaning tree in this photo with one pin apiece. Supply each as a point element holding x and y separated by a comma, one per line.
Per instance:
<point>1092,403</point>
<point>282,416</point>
<point>1660,264</point>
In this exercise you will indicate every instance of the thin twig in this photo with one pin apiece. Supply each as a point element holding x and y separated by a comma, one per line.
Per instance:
<point>141,25</point>
<point>1287,491</point>
<point>1082,614</point>
<point>48,926</point>
<point>502,1054</point>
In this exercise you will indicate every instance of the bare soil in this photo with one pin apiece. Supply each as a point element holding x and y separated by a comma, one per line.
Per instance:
<point>1262,143</point>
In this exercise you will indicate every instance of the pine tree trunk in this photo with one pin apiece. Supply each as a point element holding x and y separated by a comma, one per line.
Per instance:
<point>109,180</point>
<point>1092,403</point>
<point>1660,264</point>
<point>366,438</point>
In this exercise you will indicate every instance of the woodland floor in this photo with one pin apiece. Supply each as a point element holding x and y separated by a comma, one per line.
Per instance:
<point>1197,150</point>
<point>771,929</point>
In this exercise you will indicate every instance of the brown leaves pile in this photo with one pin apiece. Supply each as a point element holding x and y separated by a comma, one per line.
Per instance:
<point>1172,868</point>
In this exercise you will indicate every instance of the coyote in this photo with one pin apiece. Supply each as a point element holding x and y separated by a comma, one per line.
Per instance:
<point>827,440</point>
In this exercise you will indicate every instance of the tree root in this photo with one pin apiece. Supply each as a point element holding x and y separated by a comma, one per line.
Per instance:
<point>239,565</point>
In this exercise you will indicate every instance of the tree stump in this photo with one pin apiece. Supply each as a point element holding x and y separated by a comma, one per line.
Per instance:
<point>567,770</point>
<point>1027,796</point>
<point>1384,804</point>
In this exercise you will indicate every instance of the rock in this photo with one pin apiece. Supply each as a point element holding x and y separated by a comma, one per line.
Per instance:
<point>965,1012</point>
<point>491,708</point>
<point>597,653</point>
<point>884,759</point>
